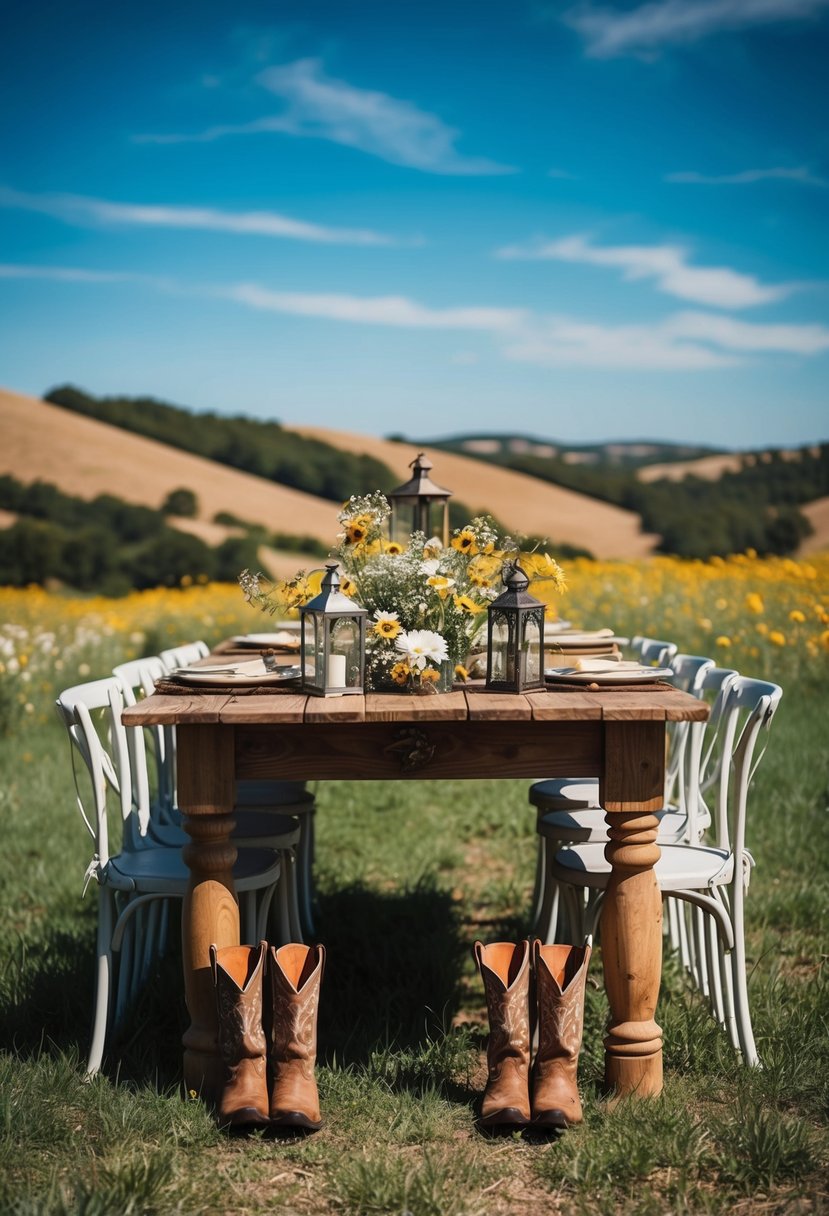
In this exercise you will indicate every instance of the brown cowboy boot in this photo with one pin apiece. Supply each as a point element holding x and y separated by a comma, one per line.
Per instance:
<point>505,971</point>
<point>237,977</point>
<point>560,975</point>
<point>295,976</point>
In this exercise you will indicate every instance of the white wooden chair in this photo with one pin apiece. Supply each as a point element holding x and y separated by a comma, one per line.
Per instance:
<point>184,655</point>
<point>272,815</point>
<point>133,874</point>
<point>568,809</point>
<point>712,878</point>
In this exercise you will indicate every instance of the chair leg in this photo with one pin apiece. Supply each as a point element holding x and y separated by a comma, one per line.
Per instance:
<point>103,982</point>
<point>715,977</point>
<point>548,914</point>
<point>742,1014</point>
<point>540,881</point>
<point>305,871</point>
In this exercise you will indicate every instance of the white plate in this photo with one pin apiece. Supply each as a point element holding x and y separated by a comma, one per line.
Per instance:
<point>628,675</point>
<point>245,674</point>
<point>283,639</point>
<point>556,626</point>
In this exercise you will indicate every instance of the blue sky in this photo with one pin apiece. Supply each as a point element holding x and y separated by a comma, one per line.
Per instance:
<point>577,219</point>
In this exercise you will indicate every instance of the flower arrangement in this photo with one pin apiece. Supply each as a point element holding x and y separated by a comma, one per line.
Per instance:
<point>426,602</point>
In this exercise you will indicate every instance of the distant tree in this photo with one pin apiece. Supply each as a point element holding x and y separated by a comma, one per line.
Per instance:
<point>181,502</point>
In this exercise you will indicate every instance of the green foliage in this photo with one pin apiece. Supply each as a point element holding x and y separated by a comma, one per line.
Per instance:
<point>261,448</point>
<point>181,502</point>
<point>755,507</point>
<point>108,545</point>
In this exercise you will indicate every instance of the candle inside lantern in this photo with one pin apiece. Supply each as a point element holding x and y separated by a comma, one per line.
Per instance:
<point>336,671</point>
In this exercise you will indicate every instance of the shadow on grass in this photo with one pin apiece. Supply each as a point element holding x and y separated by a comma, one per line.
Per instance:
<point>394,961</point>
<point>393,968</point>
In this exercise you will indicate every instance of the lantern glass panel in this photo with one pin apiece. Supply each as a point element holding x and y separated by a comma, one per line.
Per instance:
<point>312,636</point>
<point>501,647</point>
<point>531,648</point>
<point>404,520</point>
<point>344,653</point>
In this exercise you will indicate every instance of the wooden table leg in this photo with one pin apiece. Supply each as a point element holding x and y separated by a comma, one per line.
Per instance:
<point>633,788</point>
<point>204,761</point>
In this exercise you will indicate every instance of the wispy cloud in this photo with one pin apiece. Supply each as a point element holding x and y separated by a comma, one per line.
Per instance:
<point>561,175</point>
<point>683,341</point>
<point>395,311</point>
<point>747,177</point>
<point>667,265</point>
<point>66,274</point>
<point>77,209</point>
<point>647,28</point>
<point>318,106</point>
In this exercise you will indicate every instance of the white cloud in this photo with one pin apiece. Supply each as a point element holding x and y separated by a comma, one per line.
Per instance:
<point>667,265</point>
<point>321,107</point>
<point>76,209</point>
<point>645,29</point>
<point>395,311</point>
<point>63,274</point>
<point>683,341</point>
<point>801,173</point>
<point>731,334</point>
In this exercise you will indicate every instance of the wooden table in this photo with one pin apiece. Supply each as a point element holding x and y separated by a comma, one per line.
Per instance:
<point>615,735</point>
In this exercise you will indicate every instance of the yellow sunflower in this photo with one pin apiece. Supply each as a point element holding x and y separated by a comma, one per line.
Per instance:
<point>356,530</point>
<point>465,542</point>
<point>400,673</point>
<point>387,625</point>
<point>465,604</point>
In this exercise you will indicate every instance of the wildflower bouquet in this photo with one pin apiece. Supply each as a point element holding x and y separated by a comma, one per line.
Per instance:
<point>426,602</point>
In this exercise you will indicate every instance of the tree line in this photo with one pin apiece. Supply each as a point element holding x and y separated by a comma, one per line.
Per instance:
<point>265,449</point>
<point>755,507</point>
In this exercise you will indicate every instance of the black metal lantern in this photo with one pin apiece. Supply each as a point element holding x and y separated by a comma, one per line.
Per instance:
<point>419,505</point>
<point>332,641</point>
<point>515,638</point>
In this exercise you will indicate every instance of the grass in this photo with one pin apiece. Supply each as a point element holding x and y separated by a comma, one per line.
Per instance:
<point>408,876</point>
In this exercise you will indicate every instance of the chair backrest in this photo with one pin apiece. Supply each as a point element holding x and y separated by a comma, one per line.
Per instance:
<point>138,679</point>
<point>704,753</point>
<point>716,747</point>
<point>182,656</point>
<point>688,671</point>
<point>91,714</point>
<point>651,652</point>
<point>748,711</point>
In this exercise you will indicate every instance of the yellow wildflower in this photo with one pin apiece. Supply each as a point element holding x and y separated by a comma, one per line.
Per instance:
<point>461,673</point>
<point>797,616</point>
<point>723,641</point>
<point>754,603</point>
<point>348,586</point>
<point>387,626</point>
<point>465,604</point>
<point>430,675</point>
<point>356,530</point>
<point>400,672</point>
<point>465,542</point>
<point>392,548</point>
<point>441,584</point>
<point>777,638</point>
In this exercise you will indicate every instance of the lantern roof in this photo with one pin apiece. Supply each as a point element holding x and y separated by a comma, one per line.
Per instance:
<point>515,593</point>
<point>420,484</point>
<point>331,600</point>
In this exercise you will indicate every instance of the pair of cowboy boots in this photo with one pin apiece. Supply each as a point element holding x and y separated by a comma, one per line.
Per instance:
<point>267,1001</point>
<point>547,1097</point>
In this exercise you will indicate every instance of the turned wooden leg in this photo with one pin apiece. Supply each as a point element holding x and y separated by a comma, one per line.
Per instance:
<point>631,924</point>
<point>204,759</point>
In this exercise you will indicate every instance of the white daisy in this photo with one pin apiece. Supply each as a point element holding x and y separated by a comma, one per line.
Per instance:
<point>422,646</point>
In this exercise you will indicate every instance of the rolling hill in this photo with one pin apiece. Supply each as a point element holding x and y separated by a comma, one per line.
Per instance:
<point>536,507</point>
<point>85,457</point>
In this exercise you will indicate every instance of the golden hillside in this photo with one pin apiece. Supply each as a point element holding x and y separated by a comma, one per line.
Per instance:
<point>85,457</point>
<point>535,507</point>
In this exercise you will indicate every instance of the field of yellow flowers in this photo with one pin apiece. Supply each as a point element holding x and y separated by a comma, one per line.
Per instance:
<point>766,617</point>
